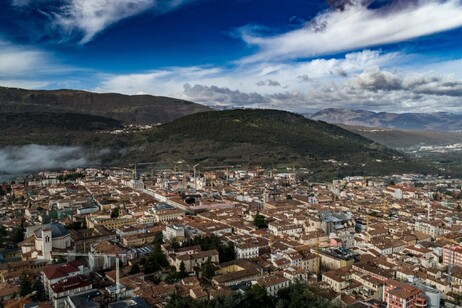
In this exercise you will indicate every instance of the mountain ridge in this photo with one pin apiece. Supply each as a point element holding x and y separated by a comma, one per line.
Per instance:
<point>437,121</point>
<point>130,109</point>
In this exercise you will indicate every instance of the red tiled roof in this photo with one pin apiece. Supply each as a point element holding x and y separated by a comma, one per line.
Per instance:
<point>71,283</point>
<point>61,270</point>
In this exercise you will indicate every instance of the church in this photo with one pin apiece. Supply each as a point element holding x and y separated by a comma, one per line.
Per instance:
<point>41,240</point>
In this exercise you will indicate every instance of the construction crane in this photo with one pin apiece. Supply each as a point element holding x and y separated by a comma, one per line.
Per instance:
<point>368,237</point>
<point>116,256</point>
<point>195,179</point>
<point>135,165</point>
<point>318,257</point>
<point>367,230</point>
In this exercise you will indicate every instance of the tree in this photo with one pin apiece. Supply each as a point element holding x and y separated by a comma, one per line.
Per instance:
<point>25,285</point>
<point>156,261</point>
<point>115,213</point>
<point>39,295</point>
<point>76,225</point>
<point>225,250</point>
<point>174,243</point>
<point>158,239</point>
<point>182,273</point>
<point>260,222</point>
<point>135,269</point>
<point>208,269</point>
<point>17,235</point>
<point>256,296</point>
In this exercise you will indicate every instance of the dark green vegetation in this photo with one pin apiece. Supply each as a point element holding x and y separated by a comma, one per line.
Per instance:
<point>51,128</point>
<point>268,137</point>
<point>225,251</point>
<point>156,261</point>
<point>260,222</point>
<point>246,137</point>
<point>295,296</point>
<point>135,109</point>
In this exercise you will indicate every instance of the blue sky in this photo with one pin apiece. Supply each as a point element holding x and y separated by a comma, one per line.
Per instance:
<point>298,55</point>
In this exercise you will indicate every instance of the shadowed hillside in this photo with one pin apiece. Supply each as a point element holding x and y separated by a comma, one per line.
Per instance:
<point>135,109</point>
<point>266,137</point>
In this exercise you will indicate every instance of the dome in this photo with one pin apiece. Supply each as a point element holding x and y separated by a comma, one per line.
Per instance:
<point>57,230</point>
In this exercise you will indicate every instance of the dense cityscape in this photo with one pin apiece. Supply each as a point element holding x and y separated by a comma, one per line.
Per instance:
<point>231,153</point>
<point>197,235</point>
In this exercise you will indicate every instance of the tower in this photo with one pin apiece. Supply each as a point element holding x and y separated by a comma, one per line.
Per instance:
<point>47,243</point>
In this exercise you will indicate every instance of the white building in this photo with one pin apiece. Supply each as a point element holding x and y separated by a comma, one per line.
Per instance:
<point>273,284</point>
<point>41,240</point>
<point>246,251</point>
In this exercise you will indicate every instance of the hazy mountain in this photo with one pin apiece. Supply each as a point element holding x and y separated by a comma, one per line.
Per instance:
<point>396,138</point>
<point>135,109</point>
<point>439,121</point>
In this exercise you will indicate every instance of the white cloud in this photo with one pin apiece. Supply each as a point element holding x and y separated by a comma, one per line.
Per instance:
<point>222,96</point>
<point>27,67</point>
<point>357,26</point>
<point>20,60</point>
<point>32,157</point>
<point>170,81</point>
<point>381,90</point>
<point>352,81</point>
<point>167,81</point>
<point>23,84</point>
<point>372,89</point>
<point>93,16</point>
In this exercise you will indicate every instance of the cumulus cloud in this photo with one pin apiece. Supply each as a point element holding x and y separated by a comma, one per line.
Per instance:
<point>429,84</point>
<point>222,96</point>
<point>355,25</point>
<point>269,83</point>
<point>382,90</point>
<point>22,159</point>
<point>269,77</point>
<point>372,89</point>
<point>353,81</point>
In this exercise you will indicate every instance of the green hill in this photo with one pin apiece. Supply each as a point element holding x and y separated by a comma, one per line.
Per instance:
<point>246,137</point>
<point>268,137</point>
<point>53,128</point>
<point>135,109</point>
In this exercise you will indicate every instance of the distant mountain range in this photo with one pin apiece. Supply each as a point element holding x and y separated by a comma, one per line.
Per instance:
<point>134,109</point>
<point>438,121</point>
<point>406,139</point>
<point>196,133</point>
